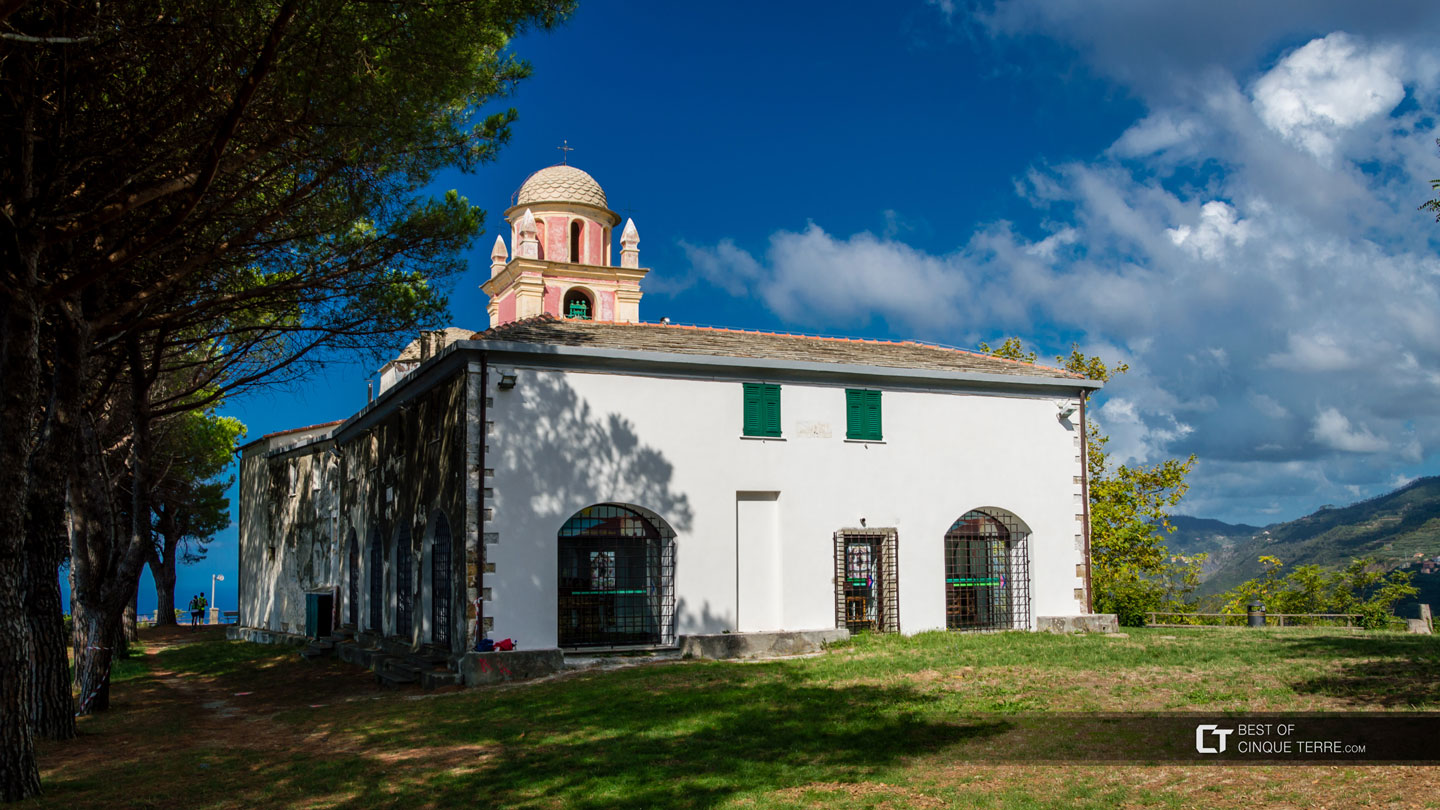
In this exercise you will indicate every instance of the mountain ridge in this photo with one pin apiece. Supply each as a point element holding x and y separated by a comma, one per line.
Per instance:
<point>1393,527</point>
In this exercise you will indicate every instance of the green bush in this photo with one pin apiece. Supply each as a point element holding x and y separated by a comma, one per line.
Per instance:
<point>1360,588</point>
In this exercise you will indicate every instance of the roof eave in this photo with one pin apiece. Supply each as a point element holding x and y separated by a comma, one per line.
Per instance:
<point>614,358</point>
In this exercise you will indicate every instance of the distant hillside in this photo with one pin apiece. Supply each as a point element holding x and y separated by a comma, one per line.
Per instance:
<point>1217,538</point>
<point>1392,528</point>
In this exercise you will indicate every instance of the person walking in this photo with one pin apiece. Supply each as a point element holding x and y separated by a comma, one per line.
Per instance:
<point>195,610</point>
<point>200,614</point>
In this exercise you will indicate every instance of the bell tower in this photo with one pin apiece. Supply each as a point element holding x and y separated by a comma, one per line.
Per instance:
<point>560,229</point>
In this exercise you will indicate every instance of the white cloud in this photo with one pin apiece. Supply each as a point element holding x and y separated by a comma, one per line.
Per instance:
<point>725,265</point>
<point>1244,280</point>
<point>1268,406</point>
<point>1155,134</point>
<point>1046,248</point>
<point>1333,429</point>
<point>1216,229</point>
<point>1328,86</point>
<point>1316,353</point>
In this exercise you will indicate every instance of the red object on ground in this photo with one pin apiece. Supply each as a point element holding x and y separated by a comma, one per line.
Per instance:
<point>505,645</point>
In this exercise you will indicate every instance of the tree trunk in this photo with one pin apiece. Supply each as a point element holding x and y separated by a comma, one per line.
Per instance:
<point>52,706</point>
<point>162,567</point>
<point>19,395</point>
<point>108,567</point>
<point>47,544</point>
<point>163,572</point>
<point>130,623</point>
<point>95,635</point>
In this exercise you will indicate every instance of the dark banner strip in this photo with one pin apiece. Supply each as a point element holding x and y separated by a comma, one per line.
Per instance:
<point>1222,739</point>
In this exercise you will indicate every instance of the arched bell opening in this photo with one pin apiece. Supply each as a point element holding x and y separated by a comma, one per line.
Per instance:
<point>578,305</point>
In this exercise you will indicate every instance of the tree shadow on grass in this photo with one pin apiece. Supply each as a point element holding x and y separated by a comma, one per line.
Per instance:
<point>1379,670</point>
<point>681,736</point>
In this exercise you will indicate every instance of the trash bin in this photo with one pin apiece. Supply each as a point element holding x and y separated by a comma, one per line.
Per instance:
<point>1256,614</point>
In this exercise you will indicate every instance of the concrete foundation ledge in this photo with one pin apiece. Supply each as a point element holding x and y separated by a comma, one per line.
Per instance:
<point>1083,623</point>
<point>482,668</point>
<point>759,645</point>
<point>261,636</point>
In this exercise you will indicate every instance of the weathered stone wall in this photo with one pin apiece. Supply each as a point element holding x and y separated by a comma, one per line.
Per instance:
<point>406,473</point>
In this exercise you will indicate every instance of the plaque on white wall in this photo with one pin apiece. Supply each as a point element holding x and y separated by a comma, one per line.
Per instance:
<point>812,430</point>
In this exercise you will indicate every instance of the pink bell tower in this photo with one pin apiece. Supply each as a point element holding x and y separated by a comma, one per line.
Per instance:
<point>560,227</point>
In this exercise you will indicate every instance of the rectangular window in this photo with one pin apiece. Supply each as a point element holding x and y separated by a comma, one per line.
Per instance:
<point>862,415</point>
<point>762,409</point>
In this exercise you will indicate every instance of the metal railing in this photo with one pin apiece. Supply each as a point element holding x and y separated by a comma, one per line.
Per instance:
<point>1241,619</point>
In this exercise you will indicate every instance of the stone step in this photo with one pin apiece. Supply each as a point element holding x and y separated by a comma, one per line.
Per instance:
<point>317,650</point>
<point>358,655</point>
<point>431,656</point>
<point>433,678</point>
<point>395,671</point>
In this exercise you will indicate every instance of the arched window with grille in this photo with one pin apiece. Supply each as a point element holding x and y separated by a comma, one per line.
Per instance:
<point>441,586</point>
<point>617,578</point>
<point>404,582</point>
<point>987,571</point>
<point>352,589</point>
<point>377,583</point>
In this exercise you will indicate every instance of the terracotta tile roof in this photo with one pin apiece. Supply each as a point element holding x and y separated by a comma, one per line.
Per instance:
<point>704,340</point>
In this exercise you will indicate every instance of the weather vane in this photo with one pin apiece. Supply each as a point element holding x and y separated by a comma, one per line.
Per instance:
<point>565,152</point>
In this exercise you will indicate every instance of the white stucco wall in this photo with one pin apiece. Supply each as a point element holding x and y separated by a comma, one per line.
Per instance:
<point>287,532</point>
<point>561,441</point>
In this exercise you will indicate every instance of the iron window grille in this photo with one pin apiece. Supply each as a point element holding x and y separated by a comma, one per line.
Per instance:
<point>987,572</point>
<point>377,582</point>
<point>867,580</point>
<point>404,589</point>
<point>440,584</point>
<point>617,579</point>
<point>352,591</point>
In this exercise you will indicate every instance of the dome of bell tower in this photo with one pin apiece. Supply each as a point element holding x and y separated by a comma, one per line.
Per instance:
<point>560,184</point>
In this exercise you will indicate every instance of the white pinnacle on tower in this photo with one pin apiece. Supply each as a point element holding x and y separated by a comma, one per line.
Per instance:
<point>529,237</point>
<point>630,245</point>
<point>499,256</point>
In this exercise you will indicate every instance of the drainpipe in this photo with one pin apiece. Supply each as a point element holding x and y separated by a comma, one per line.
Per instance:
<point>1085,497</point>
<point>480,506</point>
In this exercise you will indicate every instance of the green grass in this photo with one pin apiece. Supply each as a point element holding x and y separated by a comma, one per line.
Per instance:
<point>881,721</point>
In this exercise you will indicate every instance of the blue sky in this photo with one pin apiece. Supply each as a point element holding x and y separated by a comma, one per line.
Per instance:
<point>1221,194</point>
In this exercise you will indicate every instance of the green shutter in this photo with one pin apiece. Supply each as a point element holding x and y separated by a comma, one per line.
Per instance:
<point>762,410</point>
<point>854,414</point>
<point>752,410</point>
<point>772,410</point>
<point>862,415</point>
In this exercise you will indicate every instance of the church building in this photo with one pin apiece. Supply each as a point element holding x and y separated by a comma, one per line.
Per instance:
<point>575,477</point>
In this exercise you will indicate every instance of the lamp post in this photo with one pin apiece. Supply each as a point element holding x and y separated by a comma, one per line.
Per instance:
<point>214,608</point>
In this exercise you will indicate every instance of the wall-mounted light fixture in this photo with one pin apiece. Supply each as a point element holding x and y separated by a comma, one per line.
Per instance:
<point>1067,409</point>
<point>507,380</point>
